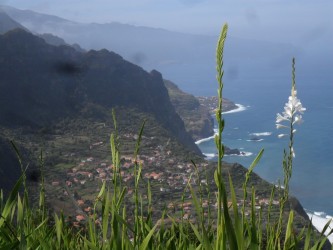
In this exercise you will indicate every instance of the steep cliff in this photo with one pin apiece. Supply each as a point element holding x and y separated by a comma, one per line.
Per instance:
<point>41,84</point>
<point>198,121</point>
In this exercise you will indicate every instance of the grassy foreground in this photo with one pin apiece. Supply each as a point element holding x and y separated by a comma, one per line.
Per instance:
<point>228,226</point>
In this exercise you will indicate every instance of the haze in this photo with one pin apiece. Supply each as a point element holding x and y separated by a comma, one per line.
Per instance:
<point>302,23</point>
<point>263,36</point>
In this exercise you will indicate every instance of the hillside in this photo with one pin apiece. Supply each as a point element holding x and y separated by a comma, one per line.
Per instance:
<point>9,165</point>
<point>67,82</point>
<point>196,112</point>
<point>197,119</point>
<point>43,86</point>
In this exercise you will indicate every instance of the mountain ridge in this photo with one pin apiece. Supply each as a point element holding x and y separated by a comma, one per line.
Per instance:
<point>7,23</point>
<point>182,54</point>
<point>64,80</point>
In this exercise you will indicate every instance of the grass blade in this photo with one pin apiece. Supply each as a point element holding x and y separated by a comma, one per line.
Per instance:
<point>146,241</point>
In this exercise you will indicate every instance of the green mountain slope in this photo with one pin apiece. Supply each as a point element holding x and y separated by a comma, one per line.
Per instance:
<point>41,84</point>
<point>44,88</point>
<point>197,119</point>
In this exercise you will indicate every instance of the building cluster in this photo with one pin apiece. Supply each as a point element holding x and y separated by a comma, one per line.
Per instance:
<point>166,174</point>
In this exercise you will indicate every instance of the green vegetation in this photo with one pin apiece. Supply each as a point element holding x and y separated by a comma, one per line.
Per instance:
<point>62,85</point>
<point>114,224</point>
<point>196,112</point>
<point>197,119</point>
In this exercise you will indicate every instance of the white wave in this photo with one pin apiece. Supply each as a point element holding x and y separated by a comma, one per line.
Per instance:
<point>242,153</point>
<point>208,138</point>
<point>319,220</point>
<point>255,140</point>
<point>321,214</point>
<point>279,186</point>
<point>261,134</point>
<point>239,108</point>
<point>209,156</point>
<point>205,139</point>
<point>239,139</point>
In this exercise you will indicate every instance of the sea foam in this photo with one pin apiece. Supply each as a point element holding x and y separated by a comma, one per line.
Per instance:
<point>255,140</point>
<point>205,139</point>
<point>246,153</point>
<point>239,108</point>
<point>242,153</point>
<point>261,134</point>
<point>319,220</point>
<point>209,156</point>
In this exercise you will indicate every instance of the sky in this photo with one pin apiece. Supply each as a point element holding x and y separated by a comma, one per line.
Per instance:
<point>304,23</point>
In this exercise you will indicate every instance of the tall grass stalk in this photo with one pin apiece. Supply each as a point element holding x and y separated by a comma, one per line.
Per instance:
<point>234,233</point>
<point>225,230</point>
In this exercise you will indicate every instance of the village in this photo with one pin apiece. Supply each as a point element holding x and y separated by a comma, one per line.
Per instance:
<point>169,178</point>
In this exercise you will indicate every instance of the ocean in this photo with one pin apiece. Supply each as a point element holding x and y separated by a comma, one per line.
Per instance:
<point>253,128</point>
<point>261,97</point>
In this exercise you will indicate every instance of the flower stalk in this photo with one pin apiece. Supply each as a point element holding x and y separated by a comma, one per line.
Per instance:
<point>291,116</point>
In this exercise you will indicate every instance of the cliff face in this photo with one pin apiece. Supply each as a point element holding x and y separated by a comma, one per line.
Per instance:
<point>41,84</point>
<point>196,112</point>
<point>111,81</point>
<point>197,119</point>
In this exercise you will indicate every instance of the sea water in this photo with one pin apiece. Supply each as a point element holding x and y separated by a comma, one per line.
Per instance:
<point>261,96</point>
<point>253,128</point>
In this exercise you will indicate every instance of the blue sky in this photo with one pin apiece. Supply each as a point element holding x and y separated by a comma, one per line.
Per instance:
<point>304,23</point>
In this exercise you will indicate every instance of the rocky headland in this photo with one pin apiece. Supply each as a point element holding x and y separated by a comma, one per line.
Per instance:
<point>196,112</point>
<point>211,102</point>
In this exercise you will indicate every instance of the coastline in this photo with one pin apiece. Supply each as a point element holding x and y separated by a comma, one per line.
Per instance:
<point>239,108</point>
<point>209,156</point>
<point>318,219</point>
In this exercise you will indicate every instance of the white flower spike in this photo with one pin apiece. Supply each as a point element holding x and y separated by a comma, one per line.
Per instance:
<point>292,113</point>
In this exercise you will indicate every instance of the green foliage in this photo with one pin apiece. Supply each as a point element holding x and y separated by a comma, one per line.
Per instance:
<point>51,83</point>
<point>197,118</point>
